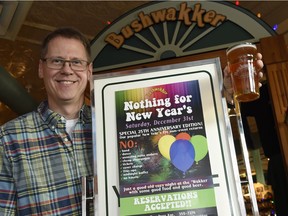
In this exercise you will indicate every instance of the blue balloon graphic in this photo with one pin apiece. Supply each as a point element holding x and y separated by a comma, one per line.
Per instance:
<point>182,154</point>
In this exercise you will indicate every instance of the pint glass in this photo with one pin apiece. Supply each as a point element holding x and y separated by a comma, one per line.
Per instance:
<point>241,62</point>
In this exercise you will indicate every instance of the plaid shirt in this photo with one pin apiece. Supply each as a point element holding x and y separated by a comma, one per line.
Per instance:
<point>41,165</point>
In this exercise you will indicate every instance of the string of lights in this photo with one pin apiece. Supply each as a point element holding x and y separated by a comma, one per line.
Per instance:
<point>259,15</point>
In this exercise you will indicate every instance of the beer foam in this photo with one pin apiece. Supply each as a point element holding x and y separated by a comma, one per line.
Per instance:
<point>241,46</point>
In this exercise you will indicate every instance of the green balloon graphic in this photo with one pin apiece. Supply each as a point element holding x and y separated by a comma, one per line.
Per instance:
<point>200,145</point>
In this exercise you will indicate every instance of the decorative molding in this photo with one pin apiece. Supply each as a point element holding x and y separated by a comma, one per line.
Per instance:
<point>170,29</point>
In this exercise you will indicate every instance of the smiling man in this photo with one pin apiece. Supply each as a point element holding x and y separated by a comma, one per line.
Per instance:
<point>44,154</point>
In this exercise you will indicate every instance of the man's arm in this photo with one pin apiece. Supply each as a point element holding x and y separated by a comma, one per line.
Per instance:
<point>7,186</point>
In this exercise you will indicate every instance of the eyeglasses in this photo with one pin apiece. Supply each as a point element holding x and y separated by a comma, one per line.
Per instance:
<point>58,63</point>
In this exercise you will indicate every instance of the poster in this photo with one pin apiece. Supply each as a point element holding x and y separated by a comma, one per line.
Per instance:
<point>161,146</point>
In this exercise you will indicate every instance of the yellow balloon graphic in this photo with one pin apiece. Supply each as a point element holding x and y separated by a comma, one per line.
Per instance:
<point>164,145</point>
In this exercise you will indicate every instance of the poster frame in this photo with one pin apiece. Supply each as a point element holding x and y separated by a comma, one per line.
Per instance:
<point>105,120</point>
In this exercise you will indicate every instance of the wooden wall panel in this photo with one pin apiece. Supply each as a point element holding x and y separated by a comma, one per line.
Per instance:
<point>275,57</point>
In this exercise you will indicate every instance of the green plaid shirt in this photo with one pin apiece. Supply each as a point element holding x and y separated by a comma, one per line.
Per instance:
<point>41,165</point>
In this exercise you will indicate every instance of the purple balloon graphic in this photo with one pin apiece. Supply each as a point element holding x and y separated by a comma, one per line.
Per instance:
<point>182,154</point>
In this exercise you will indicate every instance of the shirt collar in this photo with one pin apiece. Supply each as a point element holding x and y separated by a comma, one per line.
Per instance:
<point>54,118</point>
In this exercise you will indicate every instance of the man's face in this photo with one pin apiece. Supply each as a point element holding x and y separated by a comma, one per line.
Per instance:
<point>65,85</point>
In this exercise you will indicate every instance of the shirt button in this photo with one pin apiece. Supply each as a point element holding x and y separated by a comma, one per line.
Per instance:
<point>66,139</point>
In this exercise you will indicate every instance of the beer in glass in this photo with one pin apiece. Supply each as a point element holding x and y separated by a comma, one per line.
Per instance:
<point>241,62</point>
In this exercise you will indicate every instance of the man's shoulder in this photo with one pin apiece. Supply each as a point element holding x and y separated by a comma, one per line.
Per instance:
<point>24,121</point>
